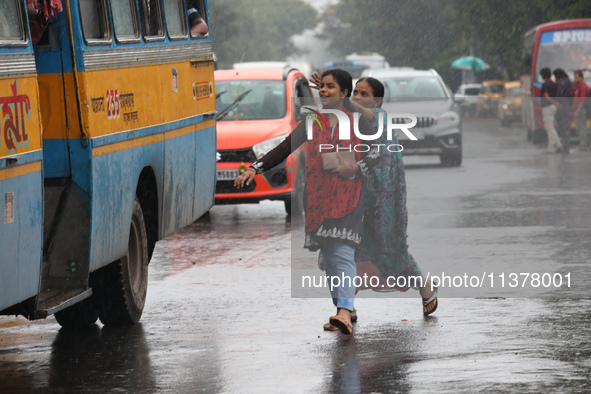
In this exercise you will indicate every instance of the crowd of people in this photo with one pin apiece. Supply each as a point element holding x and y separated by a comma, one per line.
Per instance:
<point>356,213</point>
<point>558,102</point>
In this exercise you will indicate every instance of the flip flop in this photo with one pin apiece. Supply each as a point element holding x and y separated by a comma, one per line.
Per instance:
<point>428,301</point>
<point>330,327</point>
<point>341,324</point>
<point>354,315</point>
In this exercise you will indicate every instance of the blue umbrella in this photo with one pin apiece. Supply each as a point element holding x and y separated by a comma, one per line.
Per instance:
<point>470,63</point>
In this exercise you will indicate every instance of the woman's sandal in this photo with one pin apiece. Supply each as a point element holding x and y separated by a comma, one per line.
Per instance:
<point>330,327</point>
<point>429,300</point>
<point>341,324</point>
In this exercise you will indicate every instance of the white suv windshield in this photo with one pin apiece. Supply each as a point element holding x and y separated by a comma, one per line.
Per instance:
<point>413,88</point>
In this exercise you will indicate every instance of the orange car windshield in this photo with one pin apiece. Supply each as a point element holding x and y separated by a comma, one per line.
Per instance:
<point>265,99</point>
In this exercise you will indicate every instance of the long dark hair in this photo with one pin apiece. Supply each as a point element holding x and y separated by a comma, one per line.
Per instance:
<point>345,81</point>
<point>376,86</point>
<point>559,73</point>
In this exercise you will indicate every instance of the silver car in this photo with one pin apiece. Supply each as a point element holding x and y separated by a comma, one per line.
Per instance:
<point>469,93</point>
<point>423,94</point>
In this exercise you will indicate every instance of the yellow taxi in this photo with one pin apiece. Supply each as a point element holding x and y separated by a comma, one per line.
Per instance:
<point>489,97</point>
<point>510,103</point>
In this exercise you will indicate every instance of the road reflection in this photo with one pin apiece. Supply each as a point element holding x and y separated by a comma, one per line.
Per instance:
<point>378,360</point>
<point>101,360</point>
<point>220,236</point>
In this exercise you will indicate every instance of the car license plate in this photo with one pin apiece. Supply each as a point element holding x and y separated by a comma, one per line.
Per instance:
<point>417,133</point>
<point>227,175</point>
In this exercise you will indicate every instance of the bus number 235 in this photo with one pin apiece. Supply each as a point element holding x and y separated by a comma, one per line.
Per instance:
<point>113,110</point>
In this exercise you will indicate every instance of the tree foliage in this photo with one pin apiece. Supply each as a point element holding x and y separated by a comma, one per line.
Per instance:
<point>255,30</point>
<point>431,34</point>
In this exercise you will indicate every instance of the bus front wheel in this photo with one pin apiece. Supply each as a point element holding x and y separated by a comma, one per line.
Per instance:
<point>126,281</point>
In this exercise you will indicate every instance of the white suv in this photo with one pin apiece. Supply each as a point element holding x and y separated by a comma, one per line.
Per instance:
<point>423,94</point>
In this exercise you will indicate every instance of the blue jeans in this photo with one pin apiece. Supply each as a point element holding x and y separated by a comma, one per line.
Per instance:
<point>340,263</point>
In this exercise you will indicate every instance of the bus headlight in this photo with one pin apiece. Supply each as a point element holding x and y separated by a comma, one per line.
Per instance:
<point>261,149</point>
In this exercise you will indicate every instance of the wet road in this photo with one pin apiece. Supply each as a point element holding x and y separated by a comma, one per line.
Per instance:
<point>220,316</point>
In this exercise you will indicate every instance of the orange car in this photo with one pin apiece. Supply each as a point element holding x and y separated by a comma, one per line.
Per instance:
<point>257,109</point>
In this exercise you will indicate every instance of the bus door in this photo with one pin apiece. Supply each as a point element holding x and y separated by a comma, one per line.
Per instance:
<point>66,167</point>
<point>21,183</point>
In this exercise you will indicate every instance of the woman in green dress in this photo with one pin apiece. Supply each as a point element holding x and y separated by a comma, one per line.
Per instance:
<point>383,249</point>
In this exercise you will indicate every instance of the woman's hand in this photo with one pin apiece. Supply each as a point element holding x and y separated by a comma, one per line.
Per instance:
<point>246,177</point>
<point>345,168</point>
<point>315,80</point>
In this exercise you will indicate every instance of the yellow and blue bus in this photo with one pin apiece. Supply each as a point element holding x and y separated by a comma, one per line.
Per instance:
<point>107,144</point>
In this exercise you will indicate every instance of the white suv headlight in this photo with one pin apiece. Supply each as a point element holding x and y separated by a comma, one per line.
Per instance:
<point>448,118</point>
<point>261,149</point>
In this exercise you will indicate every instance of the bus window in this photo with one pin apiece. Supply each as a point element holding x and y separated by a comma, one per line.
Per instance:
<point>10,21</point>
<point>125,21</point>
<point>197,15</point>
<point>95,23</point>
<point>151,17</point>
<point>175,19</point>
<point>556,49</point>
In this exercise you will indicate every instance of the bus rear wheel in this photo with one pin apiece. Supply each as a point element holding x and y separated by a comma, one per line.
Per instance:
<point>82,314</point>
<point>126,281</point>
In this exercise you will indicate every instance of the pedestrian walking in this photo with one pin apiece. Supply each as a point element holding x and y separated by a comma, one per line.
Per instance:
<point>579,110</point>
<point>563,88</point>
<point>334,209</point>
<point>549,106</point>
<point>384,243</point>
<point>383,251</point>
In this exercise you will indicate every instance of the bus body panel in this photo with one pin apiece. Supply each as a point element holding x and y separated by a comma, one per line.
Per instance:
<point>114,193</point>
<point>128,108</point>
<point>179,188</point>
<point>21,184</point>
<point>206,140</point>
<point>21,231</point>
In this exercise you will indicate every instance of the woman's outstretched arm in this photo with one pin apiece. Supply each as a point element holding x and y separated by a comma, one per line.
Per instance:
<point>273,157</point>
